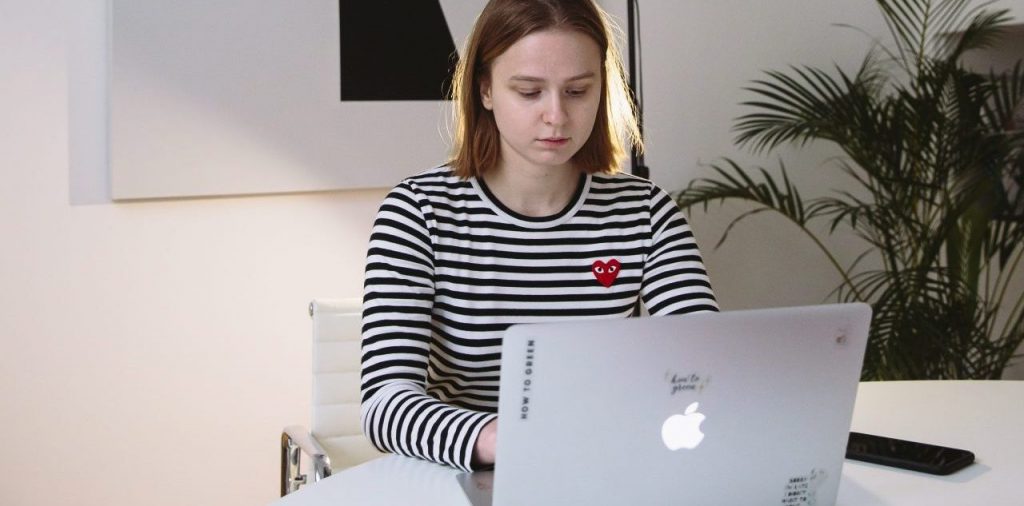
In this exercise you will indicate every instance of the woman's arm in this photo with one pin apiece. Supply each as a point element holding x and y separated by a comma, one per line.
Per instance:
<point>397,413</point>
<point>675,280</point>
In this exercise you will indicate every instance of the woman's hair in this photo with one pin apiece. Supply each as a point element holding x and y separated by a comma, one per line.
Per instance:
<point>476,144</point>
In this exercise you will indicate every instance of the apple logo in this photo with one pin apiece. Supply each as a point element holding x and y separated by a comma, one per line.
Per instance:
<point>683,431</point>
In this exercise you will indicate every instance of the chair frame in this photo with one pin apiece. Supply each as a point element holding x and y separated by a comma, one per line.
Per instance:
<point>296,440</point>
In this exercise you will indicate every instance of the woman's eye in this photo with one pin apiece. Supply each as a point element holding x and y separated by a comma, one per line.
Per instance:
<point>529,93</point>
<point>576,92</point>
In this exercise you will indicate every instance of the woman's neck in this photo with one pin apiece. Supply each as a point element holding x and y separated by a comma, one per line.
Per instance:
<point>533,193</point>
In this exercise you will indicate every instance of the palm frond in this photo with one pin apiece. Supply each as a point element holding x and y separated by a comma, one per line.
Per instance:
<point>811,105</point>
<point>735,184</point>
<point>935,330</point>
<point>1007,97</point>
<point>979,33</point>
<point>919,27</point>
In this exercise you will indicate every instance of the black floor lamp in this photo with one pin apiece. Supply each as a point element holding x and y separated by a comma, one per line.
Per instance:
<point>636,157</point>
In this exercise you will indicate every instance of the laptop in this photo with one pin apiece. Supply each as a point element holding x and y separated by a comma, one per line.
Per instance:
<point>733,408</point>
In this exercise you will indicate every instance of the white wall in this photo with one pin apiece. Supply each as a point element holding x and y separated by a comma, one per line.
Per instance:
<point>151,352</point>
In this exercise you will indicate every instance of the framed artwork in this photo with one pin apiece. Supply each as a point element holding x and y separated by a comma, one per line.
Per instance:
<point>234,97</point>
<point>249,96</point>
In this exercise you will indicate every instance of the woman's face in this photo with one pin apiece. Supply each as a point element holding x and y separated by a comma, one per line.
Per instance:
<point>544,91</point>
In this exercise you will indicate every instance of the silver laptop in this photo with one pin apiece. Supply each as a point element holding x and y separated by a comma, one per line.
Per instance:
<point>733,408</point>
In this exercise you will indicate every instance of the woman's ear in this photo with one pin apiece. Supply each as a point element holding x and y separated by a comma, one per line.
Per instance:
<point>485,93</point>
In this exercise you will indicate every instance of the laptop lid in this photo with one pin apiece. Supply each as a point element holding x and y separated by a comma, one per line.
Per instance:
<point>743,407</point>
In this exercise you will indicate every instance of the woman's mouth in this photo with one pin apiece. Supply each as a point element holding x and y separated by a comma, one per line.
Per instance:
<point>554,141</point>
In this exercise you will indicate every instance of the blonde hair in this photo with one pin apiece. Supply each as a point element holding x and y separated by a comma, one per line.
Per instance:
<point>475,141</point>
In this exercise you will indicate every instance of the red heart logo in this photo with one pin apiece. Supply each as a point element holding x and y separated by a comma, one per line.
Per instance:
<point>606,272</point>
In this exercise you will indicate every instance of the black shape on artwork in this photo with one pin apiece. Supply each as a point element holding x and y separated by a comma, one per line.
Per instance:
<point>395,50</point>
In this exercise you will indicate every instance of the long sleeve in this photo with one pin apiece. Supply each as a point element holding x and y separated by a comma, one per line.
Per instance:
<point>398,415</point>
<point>675,280</point>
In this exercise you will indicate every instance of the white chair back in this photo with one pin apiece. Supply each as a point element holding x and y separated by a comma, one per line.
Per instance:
<point>337,336</point>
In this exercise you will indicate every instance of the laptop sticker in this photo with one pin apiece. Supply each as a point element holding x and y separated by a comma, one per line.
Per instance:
<point>691,382</point>
<point>803,490</point>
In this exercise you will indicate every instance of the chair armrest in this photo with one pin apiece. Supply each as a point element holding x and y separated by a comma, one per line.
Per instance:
<point>295,439</point>
<point>305,441</point>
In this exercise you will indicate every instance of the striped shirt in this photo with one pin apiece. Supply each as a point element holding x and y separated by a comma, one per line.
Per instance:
<point>449,268</point>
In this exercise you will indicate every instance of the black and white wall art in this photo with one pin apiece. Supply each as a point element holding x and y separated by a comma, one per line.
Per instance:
<point>231,97</point>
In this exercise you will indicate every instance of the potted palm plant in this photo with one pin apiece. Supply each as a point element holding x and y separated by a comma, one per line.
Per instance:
<point>936,154</point>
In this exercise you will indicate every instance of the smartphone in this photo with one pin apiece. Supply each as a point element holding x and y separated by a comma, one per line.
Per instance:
<point>923,457</point>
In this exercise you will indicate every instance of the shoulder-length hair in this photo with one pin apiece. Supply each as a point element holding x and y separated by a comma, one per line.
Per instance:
<point>475,144</point>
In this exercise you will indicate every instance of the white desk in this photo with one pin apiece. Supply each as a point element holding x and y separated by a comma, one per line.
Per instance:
<point>986,417</point>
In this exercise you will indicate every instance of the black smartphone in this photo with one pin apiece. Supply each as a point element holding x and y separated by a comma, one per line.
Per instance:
<point>923,457</point>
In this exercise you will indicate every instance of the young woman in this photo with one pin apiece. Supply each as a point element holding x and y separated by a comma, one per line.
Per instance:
<point>529,221</point>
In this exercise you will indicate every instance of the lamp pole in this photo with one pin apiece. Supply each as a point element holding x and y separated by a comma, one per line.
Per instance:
<point>636,157</point>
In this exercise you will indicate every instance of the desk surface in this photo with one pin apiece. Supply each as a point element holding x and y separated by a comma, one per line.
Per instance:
<point>985,417</point>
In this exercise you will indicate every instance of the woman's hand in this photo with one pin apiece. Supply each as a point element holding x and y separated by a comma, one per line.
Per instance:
<point>483,452</point>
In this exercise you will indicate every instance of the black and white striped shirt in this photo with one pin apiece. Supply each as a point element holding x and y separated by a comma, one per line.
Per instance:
<point>449,268</point>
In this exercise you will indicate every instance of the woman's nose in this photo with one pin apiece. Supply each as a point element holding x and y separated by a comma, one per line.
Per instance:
<point>554,111</point>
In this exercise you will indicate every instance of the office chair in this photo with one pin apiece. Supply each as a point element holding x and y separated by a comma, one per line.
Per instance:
<point>336,440</point>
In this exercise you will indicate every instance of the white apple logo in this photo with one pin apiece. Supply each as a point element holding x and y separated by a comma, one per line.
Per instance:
<point>683,431</point>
